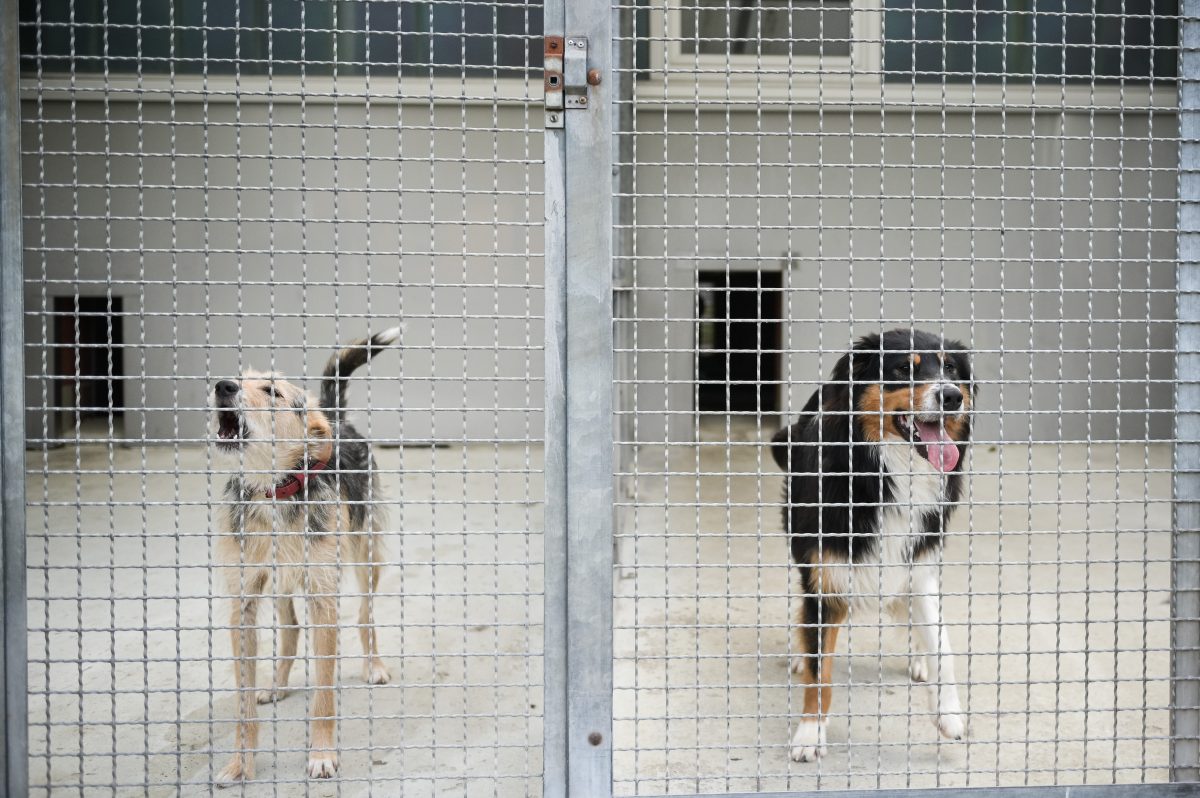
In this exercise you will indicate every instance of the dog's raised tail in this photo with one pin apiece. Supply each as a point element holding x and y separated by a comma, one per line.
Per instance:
<point>345,362</point>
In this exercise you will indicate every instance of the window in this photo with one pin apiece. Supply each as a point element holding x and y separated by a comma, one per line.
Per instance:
<point>283,37</point>
<point>766,27</point>
<point>1030,40</point>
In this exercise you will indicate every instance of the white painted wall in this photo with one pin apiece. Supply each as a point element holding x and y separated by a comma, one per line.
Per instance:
<point>1019,232</point>
<point>278,242</point>
<point>448,239</point>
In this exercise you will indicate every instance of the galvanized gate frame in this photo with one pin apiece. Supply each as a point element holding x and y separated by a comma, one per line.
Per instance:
<point>1185,552</point>
<point>14,754</point>
<point>579,382</point>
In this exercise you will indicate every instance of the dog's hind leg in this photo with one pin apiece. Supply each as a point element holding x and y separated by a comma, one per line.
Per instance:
<point>821,620</point>
<point>374,671</point>
<point>244,632</point>
<point>289,633</point>
<point>368,572</point>
<point>322,757</point>
<point>918,669</point>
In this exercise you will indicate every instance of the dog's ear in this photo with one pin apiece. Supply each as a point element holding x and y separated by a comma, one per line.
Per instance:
<point>871,342</point>
<point>861,363</point>
<point>783,441</point>
<point>318,426</point>
<point>781,444</point>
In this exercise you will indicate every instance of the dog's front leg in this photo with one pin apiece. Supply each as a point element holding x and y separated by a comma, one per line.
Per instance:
<point>289,632</point>
<point>244,632</point>
<point>322,758</point>
<point>927,617</point>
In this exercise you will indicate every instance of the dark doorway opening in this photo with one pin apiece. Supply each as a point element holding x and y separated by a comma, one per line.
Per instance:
<point>89,365</point>
<point>738,362</point>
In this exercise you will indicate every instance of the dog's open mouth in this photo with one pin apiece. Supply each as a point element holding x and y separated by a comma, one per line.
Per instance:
<point>229,429</point>
<point>929,437</point>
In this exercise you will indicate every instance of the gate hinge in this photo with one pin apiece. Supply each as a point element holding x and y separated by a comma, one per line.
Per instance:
<point>567,77</point>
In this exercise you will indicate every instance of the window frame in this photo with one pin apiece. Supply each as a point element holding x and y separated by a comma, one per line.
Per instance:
<point>857,79</point>
<point>439,90</point>
<point>712,70</point>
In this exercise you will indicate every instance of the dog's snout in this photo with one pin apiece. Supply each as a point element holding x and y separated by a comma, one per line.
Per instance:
<point>950,397</point>
<point>226,389</point>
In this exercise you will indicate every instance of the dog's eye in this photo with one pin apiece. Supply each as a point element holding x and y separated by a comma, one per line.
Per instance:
<point>271,392</point>
<point>951,369</point>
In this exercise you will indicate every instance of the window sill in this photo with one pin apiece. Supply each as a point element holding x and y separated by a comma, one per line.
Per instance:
<point>773,91</point>
<point>778,91</point>
<point>261,89</point>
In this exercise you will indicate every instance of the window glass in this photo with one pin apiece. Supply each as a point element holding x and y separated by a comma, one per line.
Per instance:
<point>282,37</point>
<point>767,27</point>
<point>1030,40</point>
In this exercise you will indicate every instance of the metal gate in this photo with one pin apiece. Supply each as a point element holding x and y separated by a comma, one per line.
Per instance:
<point>793,176</point>
<point>221,187</point>
<point>732,193</point>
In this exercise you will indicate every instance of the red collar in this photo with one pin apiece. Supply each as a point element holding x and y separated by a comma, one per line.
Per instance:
<point>294,482</point>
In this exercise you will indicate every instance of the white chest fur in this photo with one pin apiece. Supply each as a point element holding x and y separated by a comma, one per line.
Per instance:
<point>914,481</point>
<point>917,489</point>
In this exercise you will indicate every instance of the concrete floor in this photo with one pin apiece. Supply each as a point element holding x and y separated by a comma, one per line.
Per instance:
<point>129,586</point>
<point>1057,595</point>
<point>1061,622</point>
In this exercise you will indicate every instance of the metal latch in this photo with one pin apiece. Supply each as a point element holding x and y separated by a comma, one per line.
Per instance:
<point>567,77</point>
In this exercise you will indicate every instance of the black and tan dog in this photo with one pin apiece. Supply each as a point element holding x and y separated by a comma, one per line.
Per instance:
<point>874,467</point>
<point>305,500</point>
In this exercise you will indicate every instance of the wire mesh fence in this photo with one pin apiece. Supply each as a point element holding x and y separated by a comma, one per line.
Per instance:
<point>285,317</point>
<point>223,187</point>
<point>795,176</point>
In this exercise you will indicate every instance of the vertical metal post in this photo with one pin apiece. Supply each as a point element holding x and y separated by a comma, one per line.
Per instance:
<point>14,754</point>
<point>589,415</point>
<point>1185,649</point>
<point>554,713</point>
<point>579,421</point>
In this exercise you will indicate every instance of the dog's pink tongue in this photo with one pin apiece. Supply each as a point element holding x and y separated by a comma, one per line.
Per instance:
<point>942,452</point>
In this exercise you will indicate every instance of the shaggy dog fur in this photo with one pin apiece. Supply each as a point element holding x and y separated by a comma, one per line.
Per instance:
<point>305,500</point>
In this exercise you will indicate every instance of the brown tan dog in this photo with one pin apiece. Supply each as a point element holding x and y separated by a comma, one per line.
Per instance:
<point>305,500</point>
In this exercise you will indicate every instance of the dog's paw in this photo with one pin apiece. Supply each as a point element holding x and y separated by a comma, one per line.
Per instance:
<point>322,765</point>
<point>272,695</point>
<point>808,744</point>
<point>951,726</point>
<point>918,669</point>
<point>240,768</point>
<point>375,672</point>
<point>796,665</point>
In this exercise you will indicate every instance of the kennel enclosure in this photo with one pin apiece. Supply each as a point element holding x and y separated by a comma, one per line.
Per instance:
<point>626,242</point>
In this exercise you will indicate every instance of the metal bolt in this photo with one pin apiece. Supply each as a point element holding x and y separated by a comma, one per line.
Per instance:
<point>593,77</point>
<point>583,100</point>
<point>553,117</point>
<point>595,739</point>
<point>579,45</point>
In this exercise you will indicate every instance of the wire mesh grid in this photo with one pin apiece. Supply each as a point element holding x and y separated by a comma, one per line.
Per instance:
<point>223,186</point>
<point>794,176</point>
